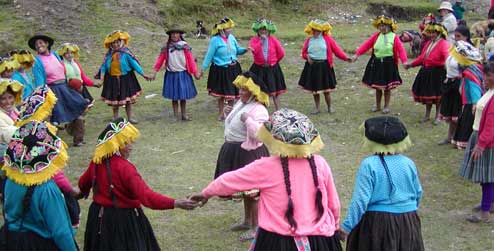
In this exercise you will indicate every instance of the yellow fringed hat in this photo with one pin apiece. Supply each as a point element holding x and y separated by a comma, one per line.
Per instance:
<point>291,134</point>
<point>256,86</point>
<point>465,53</point>
<point>14,86</point>
<point>116,136</point>
<point>225,23</point>
<point>320,25</point>
<point>385,135</point>
<point>436,27</point>
<point>8,63</point>
<point>69,47</point>
<point>37,106</point>
<point>382,19</point>
<point>34,154</point>
<point>116,35</point>
<point>23,57</point>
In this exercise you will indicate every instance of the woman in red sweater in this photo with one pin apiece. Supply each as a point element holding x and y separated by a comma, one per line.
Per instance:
<point>318,74</point>
<point>116,220</point>
<point>382,72</point>
<point>427,86</point>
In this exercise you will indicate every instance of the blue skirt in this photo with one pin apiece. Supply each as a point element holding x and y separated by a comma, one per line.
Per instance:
<point>178,86</point>
<point>70,104</point>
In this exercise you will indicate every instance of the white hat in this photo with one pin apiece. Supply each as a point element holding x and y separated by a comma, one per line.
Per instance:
<point>445,5</point>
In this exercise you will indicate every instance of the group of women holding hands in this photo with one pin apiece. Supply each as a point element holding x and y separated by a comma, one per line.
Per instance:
<point>270,161</point>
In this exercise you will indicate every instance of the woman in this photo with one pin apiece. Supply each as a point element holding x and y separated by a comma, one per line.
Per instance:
<point>10,97</point>
<point>299,208</point>
<point>268,52</point>
<point>22,74</point>
<point>180,65</point>
<point>222,54</point>
<point>451,98</point>
<point>471,89</point>
<point>426,88</point>
<point>478,163</point>
<point>116,220</point>
<point>120,85</point>
<point>48,69</point>
<point>318,74</point>
<point>241,146</point>
<point>382,214</point>
<point>36,216</point>
<point>448,19</point>
<point>7,67</point>
<point>382,72</point>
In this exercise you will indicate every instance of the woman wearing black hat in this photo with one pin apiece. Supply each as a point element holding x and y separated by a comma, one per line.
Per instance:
<point>48,69</point>
<point>180,66</point>
<point>382,214</point>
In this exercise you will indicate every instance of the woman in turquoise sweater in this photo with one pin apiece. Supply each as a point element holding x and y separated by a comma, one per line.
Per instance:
<point>22,74</point>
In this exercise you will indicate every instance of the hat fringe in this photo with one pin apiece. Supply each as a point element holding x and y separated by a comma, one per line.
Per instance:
<point>436,27</point>
<point>27,59</point>
<point>69,47</point>
<point>57,164</point>
<point>247,83</point>
<point>325,27</point>
<point>126,136</point>
<point>15,86</point>
<point>43,111</point>
<point>385,20</point>
<point>377,148</point>
<point>269,26</point>
<point>277,147</point>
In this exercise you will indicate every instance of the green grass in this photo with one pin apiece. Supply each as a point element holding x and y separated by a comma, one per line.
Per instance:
<point>178,159</point>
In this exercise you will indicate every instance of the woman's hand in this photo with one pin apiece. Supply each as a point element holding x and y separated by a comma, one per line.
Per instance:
<point>309,60</point>
<point>147,77</point>
<point>244,116</point>
<point>197,76</point>
<point>227,109</point>
<point>199,198</point>
<point>342,234</point>
<point>476,153</point>
<point>186,204</point>
<point>407,66</point>
<point>354,58</point>
<point>76,193</point>
<point>201,74</point>
<point>98,84</point>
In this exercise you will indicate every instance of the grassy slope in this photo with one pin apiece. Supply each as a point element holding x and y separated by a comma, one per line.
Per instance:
<point>179,158</point>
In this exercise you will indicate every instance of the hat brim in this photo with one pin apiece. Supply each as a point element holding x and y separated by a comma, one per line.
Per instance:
<point>439,9</point>
<point>280,148</point>
<point>169,32</point>
<point>31,42</point>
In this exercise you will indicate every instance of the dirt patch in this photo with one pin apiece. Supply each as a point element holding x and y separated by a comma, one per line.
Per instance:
<point>408,13</point>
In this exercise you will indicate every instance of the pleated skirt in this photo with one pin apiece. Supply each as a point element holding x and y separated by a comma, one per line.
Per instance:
<point>464,129</point>
<point>269,241</point>
<point>272,76</point>
<point>481,170</point>
<point>118,90</point>
<point>426,88</point>
<point>318,77</point>
<point>382,73</point>
<point>178,86</point>
<point>70,104</point>
<point>220,81</point>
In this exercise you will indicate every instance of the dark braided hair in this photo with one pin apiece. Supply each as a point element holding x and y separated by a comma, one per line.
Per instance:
<point>320,208</point>
<point>289,211</point>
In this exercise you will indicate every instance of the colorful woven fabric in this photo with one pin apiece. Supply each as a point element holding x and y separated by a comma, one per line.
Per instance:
<point>37,106</point>
<point>264,23</point>
<point>465,53</point>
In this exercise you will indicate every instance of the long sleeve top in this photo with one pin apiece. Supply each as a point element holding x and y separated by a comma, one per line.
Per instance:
<point>221,52</point>
<point>275,51</point>
<point>331,47</point>
<point>373,191</point>
<point>26,80</point>
<point>486,129</point>
<point>129,189</point>
<point>450,23</point>
<point>38,70</point>
<point>127,62</point>
<point>190,63</point>
<point>266,174</point>
<point>437,56</point>
<point>82,75</point>
<point>471,84</point>
<point>246,131</point>
<point>399,51</point>
<point>47,215</point>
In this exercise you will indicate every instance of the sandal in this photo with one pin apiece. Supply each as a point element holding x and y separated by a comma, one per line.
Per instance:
<point>331,110</point>
<point>444,142</point>
<point>385,110</point>
<point>425,119</point>
<point>478,219</point>
<point>247,236</point>
<point>478,207</point>
<point>134,121</point>
<point>240,227</point>
<point>315,112</point>
<point>375,109</point>
<point>436,122</point>
<point>186,118</point>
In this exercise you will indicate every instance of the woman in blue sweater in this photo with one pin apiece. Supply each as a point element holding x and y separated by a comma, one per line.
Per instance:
<point>382,213</point>
<point>222,55</point>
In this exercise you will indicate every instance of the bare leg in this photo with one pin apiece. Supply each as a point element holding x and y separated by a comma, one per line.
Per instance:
<point>327,98</point>
<point>128,110</point>
<point>221,105</point>
<point>115,111</point>
<point>183,110</point>
<point>276,101</point>
<point>427,116</point>
<point>317,102</point>
<point>175,108</point>
<point>451,130</point>
<point>379,94</point>
<point>438,110</point>
<point>387,99</point>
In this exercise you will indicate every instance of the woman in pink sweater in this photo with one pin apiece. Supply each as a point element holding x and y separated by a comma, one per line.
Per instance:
<point>268,52</point>
<point>299,205</point>
<point>427,86</point>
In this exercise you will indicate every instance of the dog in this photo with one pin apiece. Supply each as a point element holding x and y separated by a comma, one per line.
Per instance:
<point>489,49</point>
<point>414,39</point>
<point>201,32</point>
<point>478,29</point>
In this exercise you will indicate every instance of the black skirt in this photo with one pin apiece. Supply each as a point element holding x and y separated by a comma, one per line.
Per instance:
<point>272,76</point>
<point>220,81</point>
<point>122,229</point>
<point>379,231</point>
<point>119,90</point>
<point>382,73</point>
<point>464,129</point>
<point>73,208</point>
<point>318,77</point>
<point>450,100</point>
<point>269,241</point>
<point>25,241</point>
<point>426,88</point>
<point>232,157</point>
<point>86,95</point>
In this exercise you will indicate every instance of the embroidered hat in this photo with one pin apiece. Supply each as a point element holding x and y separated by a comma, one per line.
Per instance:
<point>116,135</point>
<point>445,5</point>
<point>116,35</point>
<point>225,23</point>
<point>319,25</point>
<point>37,106</point>
<point>264,23</point>
<point>175,28</point>
<point>31,42</point>
<point>7,64</point>
<point>382,19</point>
<point>34,154</point>
<point>385,135</point>
<point>433,26</point>
<point>255,85</point>
<point>23,57</point>
<point>289,133</point>
<point>69,47</point>
<point>14,86</point>
<point>465,53</point>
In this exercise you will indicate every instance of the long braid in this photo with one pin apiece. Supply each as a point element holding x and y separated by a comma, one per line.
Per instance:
<point>320,208</point>
<point>289,211</point>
